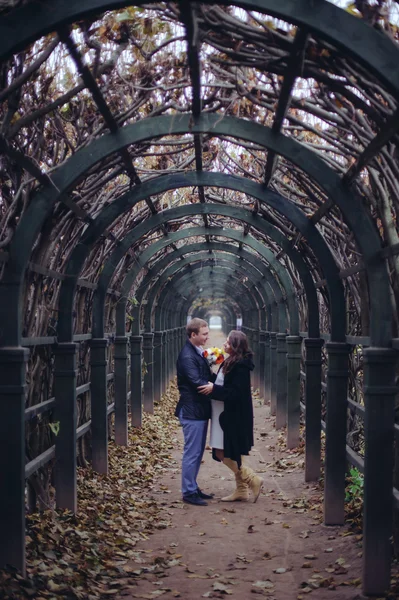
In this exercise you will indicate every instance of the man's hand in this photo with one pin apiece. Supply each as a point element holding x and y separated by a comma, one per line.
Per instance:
<point>206,389</point>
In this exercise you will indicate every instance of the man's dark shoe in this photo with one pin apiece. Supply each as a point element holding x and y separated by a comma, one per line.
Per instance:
<point>195,499</point>
<point>204,496</point>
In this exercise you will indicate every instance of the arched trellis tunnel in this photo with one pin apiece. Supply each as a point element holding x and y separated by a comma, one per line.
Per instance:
<point>273,237</point>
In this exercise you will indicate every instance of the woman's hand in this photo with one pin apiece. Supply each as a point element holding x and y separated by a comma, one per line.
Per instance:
<point>206,389</point>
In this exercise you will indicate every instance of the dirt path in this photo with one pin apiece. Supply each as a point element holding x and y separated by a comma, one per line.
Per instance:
<point>276,548</point>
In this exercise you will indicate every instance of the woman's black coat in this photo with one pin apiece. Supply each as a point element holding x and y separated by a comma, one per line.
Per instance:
<point>237,419</point>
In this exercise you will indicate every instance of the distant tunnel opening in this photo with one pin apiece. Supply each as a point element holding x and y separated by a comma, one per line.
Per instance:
<point>215,322</point>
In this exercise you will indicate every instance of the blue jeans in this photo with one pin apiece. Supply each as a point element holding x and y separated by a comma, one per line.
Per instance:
<point>194,445</point>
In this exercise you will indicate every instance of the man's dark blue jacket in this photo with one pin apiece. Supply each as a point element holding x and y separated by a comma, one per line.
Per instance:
<point>193,370</point>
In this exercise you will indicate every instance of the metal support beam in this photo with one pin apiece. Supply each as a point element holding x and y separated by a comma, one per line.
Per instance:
<point>148,363</point>
<point>293,389</point>
<point>313,408</point>
<point>98,399</point>
<point>121,393</point>
<point>12,456</point>
<point>379,399</point>
<point>158,371</point>
<point>164,363</point>
<point>335,461</point>
<point>273,372</point>
<point>136,396</point>
<point>65,413</point>
<point>262,338</point>
<point>266,393</point>
<point>281,402</point>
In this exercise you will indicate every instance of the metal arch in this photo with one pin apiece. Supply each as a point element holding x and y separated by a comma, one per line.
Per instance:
<point>136,233</point>
<point>221,275</point>
<point>254,264</point>
<point>228,310</point>
<point>231,315</point>
<point>222,312</point>
<point>272,232</point>
<point>378,268</point>
<point>246,270</point>
<point>230,307</point>
<point>152,287</point>
<point>367,45</point>
<point>371,48</point>
<point>228,317</point>
<point>310,290</point>
<point>224,275</point>
<point>227,322</point>
<point>266,253</point>
<point>183,310</point>
<point>67,299</point>
<point>78,255</point>
<point>229,275</point>
<point>257,278</point>
<point>184,303</point>
<point>184,234</point>
<point>67,175</point>
<point>219,286</point>
<point>337,299</point>
<point>183,307</point>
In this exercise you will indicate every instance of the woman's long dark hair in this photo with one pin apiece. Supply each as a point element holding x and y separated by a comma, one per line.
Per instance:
<point>239,349</point>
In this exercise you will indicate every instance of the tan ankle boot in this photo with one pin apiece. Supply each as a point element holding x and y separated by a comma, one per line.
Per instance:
<point>253,480</point>
<point>240,494</point>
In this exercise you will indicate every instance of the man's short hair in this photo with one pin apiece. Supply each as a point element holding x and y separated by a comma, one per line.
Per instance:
<point>194,326</point>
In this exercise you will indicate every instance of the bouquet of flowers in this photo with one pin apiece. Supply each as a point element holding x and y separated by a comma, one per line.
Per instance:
<point>214,356</point>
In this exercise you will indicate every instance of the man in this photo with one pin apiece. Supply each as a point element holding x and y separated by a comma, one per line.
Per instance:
<point>193,409</point>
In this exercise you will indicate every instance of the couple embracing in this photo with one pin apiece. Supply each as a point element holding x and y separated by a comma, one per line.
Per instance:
<point>224,397</point>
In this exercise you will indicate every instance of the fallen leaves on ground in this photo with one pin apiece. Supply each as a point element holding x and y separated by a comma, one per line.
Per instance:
<point>263,585</point>
<point>89,555</point>
<point>280,570</point>
<point>219,586</point>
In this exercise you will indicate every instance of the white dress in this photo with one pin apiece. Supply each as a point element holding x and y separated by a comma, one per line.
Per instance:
<point>216,437</point>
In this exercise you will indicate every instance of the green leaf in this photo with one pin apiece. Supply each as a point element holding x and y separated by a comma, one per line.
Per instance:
<point>55,427</point>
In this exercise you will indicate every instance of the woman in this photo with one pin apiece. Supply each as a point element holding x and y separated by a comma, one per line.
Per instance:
<point>232,400</point>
